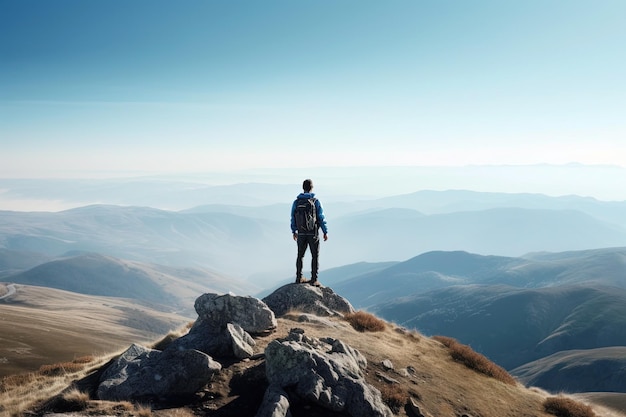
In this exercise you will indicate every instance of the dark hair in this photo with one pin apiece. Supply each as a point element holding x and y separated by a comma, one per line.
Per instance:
<point>307,185</point>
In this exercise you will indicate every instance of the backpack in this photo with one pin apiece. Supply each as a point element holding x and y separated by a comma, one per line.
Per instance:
<point>306,215</point>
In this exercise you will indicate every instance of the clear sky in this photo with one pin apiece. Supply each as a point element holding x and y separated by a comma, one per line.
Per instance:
<point>183,86</point>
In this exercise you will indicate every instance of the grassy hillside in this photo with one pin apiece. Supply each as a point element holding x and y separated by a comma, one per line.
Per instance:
<point>514,326</point>
<point>441,385</point>
<point>41,326</point>
<point>591,370</point>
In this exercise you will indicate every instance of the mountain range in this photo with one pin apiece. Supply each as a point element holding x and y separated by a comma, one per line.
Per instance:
<point>254,242</point>
<point>518,277</point>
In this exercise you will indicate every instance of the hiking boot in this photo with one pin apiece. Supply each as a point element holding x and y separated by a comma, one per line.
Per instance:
<point>300,280</point>
<point>315,283</point>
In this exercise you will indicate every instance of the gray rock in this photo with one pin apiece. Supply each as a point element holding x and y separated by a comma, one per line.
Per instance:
<point>386,378</point>
<point>241,342</point>
<point>275,403</point>
<point>205,337</point>
<point>321,301</point>
<point>326,372</point>
<point>231,341</point>
<point>248,312</point>
<point>387,364</point>
<point>146,373</point>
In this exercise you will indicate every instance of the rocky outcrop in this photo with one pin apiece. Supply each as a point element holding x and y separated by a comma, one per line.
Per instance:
<point>325,372</point>
<point>224,325</point>
<point>321,301</point>
<point>141,373</point>
<point>317,372</point>
<point>187,364</point>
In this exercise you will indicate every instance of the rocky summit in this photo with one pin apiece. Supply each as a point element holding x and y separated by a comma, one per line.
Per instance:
<point>296,353</point>
<point>322,371</point>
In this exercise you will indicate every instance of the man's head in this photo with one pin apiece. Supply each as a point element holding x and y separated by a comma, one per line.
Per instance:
<point>307,185</point>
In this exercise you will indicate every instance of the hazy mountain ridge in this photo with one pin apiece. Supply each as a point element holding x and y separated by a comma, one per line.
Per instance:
<point>12,261</point>
<point>440,269</point>
<point>95,274</point>
<point>218,241</point>
<point>248,240</point>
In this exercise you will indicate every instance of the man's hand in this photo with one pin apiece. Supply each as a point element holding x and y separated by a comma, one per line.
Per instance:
<point>295,236</point>
<point>325,237</point>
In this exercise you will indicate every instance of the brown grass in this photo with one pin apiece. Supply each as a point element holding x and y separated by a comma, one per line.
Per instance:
<point>394,396</point>
<point>19,393</point>
<point>365,322</point>
<point>474,360</point>
<point>74,400</point>
<point>144,411</point>
<point>566,407</point>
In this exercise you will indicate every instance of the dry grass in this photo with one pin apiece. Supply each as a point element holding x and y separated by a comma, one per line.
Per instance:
<point>474,360</point>
<point>144,411</point>
<point>75,400</point>
<point>365,322</point>
<point>394,396</point>
<point>170,337</point>
<point>567,407</point>
<point>42,325</point>
<point>19,393</point>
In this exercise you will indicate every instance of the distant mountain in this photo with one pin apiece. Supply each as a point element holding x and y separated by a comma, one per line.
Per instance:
<point>450,201</point>
<point>275,212</point>
<point>439,269</point>
<point>590,370</point>
<point>12,261</point>
<point>218,241</point>
<point>514,326</point>
<point>383,235</point>
<point>254,242</point>
<point>95,274</point>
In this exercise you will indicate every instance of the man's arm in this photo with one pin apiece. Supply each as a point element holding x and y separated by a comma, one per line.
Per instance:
<point>293,221</point>
<point>321,218</point>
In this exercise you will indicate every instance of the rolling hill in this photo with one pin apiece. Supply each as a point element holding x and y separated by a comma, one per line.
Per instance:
<point>167,288</point>
<point>590,370</point>
<point>12,261</point>
<point>442,269</point>
<point>41,326</point>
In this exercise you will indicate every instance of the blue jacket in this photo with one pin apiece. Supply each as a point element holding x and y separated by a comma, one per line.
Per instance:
<point>321,220</point>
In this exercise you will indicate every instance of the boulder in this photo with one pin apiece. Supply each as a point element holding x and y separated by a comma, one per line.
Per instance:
<point>230,341</point>
<point>321,301</point>
<point>254,316</point>
<point>141,373</point>
<point>325,372</point>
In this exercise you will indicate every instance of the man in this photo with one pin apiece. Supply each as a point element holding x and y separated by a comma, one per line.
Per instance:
<point>307,217</point>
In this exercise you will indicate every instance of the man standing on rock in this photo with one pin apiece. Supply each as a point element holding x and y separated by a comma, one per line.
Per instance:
<point>307,217</point>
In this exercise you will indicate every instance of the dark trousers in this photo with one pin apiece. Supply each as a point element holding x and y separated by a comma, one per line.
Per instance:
<point>313,243</point>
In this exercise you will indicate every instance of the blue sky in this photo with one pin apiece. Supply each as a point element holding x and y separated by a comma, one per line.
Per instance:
<point>190,86</point>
